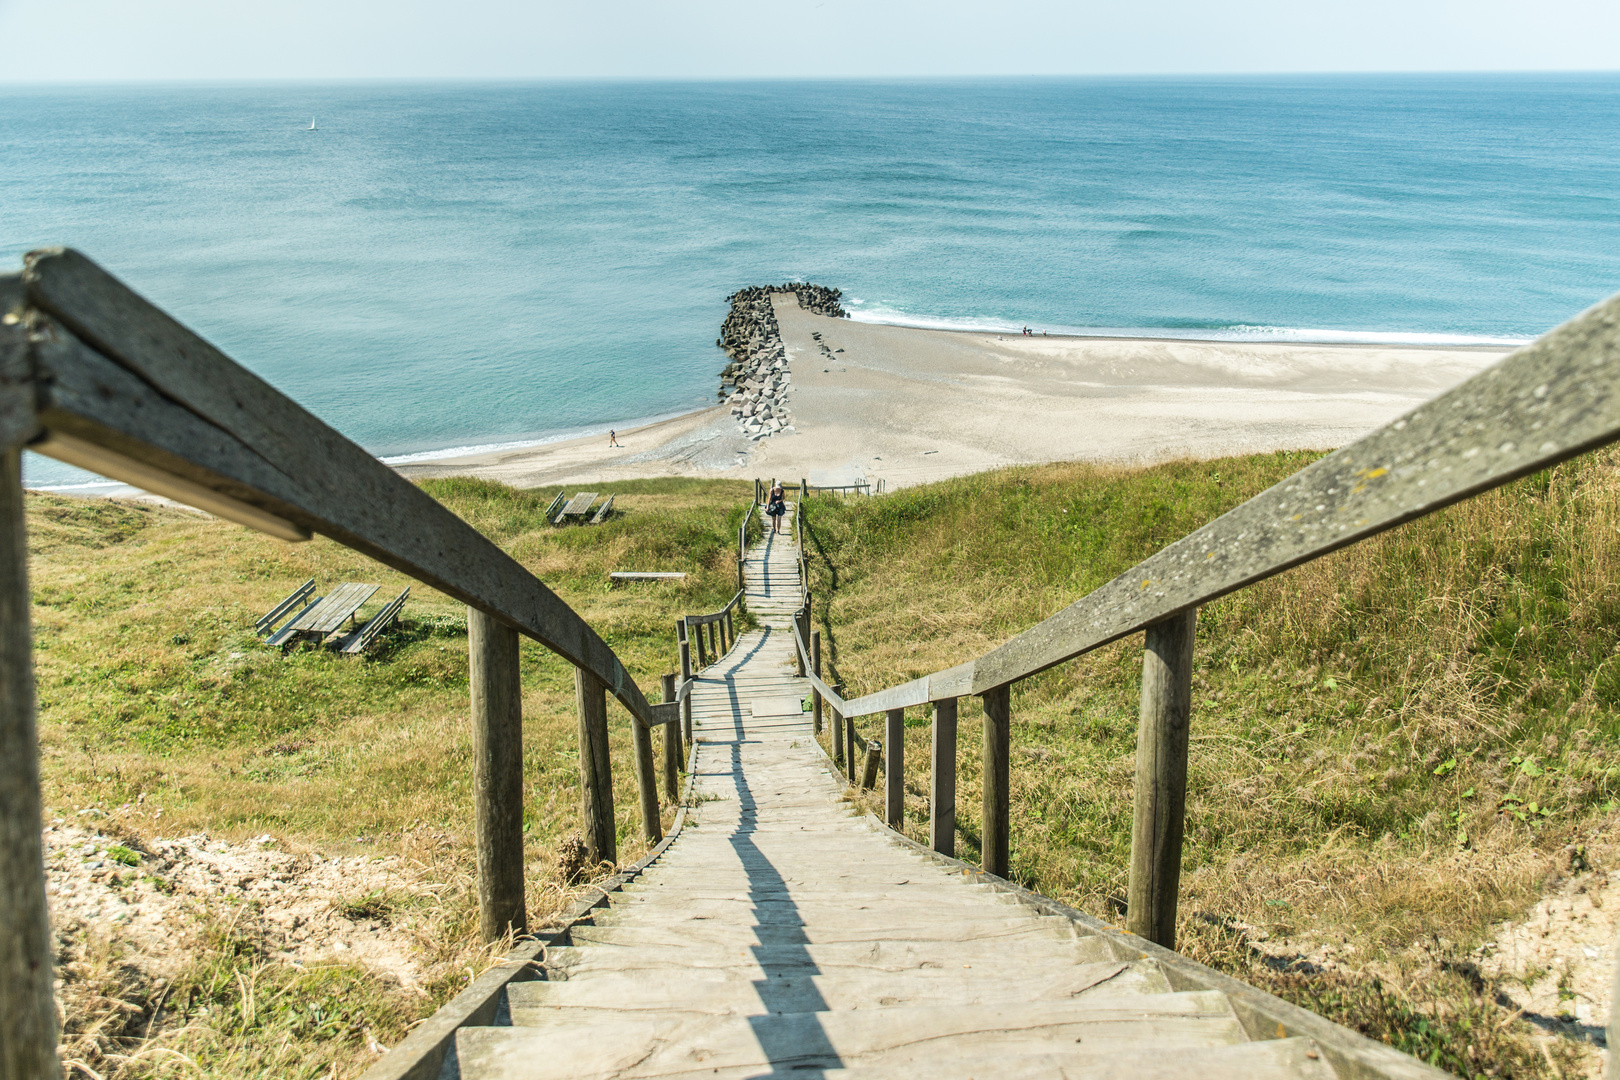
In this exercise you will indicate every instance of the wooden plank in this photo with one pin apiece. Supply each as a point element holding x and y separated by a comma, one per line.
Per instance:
<point>1161,779</point>
<point>268,620</point>
<point>174,401</point>
<point>289,633</point>
<point>579,504</point>
<point>551,510</point>
<point>362,638</point>
<point>601,515</point>
<point>646,575</point>
<point>339,605</point>
<point>497,723</point>
<point>27,1007</point>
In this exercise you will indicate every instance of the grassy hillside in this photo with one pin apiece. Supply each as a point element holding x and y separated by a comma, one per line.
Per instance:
<point>1394,745</point>
<point>159,707</point>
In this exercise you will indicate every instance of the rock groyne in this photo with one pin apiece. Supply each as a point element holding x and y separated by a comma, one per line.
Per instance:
<point>756,381</point>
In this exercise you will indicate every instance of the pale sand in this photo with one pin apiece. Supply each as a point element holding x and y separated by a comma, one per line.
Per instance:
<point>909,405</point>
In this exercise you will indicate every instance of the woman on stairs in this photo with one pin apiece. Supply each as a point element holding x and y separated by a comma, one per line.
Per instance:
<point>776,506</point>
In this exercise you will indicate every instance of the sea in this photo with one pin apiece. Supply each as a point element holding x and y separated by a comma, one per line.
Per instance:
<point>441,267</point>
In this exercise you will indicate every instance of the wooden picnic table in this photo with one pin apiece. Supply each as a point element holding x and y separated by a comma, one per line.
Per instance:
<point>327,614</point>
<point>578,506</point>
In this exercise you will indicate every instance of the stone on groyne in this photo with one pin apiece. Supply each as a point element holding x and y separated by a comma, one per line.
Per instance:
<point>756,381</point>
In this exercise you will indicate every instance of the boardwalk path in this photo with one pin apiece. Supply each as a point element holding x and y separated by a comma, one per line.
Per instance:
<point>780,933</point>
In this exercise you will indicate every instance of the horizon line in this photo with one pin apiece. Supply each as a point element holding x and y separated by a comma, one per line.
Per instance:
<point>510,80</point>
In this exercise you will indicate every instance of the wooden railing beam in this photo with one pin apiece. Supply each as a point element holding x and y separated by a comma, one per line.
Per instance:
<point>1161,779</point>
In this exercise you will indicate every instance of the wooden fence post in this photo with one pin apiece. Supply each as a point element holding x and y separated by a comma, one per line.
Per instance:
<point>27,1005</point>
<point>894,769</point>
<point>497,720</point>
<point>1161,779</point>
<point>595,769</point>
<point>672,748</point>
<point>849,746</point>
<point>702,650</point>
<point>838,739</point>
<point>685,643</point>
<point>995,846</point>
<point>874,758</point>
<point>942,780</point>
<point>652,827</point>
<point>815,662</point>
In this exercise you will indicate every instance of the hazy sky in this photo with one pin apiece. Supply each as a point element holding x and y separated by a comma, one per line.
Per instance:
<point>94,40</point>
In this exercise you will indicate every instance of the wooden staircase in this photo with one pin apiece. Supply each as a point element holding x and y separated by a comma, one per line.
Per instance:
<point>783,933</point>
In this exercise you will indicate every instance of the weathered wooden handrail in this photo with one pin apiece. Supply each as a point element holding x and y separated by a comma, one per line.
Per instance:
<point>716,633</point>
<point>93,374</point>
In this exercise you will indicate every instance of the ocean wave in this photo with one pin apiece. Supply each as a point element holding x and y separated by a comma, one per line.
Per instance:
<point>1233,332</point>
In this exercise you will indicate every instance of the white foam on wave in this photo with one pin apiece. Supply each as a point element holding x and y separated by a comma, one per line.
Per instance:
<point>528,444</point>
<point>885,316</point>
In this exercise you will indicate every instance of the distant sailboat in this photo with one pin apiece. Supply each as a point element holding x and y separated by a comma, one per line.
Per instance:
<point>312,123</point>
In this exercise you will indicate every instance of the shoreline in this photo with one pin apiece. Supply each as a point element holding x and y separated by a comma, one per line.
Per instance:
<point>912,404</point>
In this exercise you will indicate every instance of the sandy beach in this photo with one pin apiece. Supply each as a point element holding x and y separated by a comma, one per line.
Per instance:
<point>907,406</point>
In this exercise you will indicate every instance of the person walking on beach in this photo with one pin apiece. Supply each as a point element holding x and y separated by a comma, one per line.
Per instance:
<point>613,438</point>
<point>776,506</point>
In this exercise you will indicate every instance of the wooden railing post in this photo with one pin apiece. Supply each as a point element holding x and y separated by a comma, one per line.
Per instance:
<point>942,780</point>
<point>837,722</point>
<point>498,773</point>
<point>1161,779</point>
<point>894,768</point>
<point>27,1007</point>
<point>497,721</point>
<point>702,650</point>
<point>815,662</point>
<point>685,643</point>
<point>672,748</point>
<point>652,827</point>
<point>595,769</point>
<point>850,747</point>
<point>995,846</point>
<point>874,758</point>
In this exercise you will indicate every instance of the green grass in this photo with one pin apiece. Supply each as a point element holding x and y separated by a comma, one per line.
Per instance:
<point>156,697</point>
<point>1389,744</point>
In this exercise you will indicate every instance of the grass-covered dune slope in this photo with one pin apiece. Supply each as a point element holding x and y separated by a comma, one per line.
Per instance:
<point>161,709</point>
<point>1392,748</point>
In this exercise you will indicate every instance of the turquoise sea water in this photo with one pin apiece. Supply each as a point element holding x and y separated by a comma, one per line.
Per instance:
<point>441,266</point>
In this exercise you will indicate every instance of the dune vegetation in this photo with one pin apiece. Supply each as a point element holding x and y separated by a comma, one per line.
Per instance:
<point>162,715</point>
<point>1394,747</point>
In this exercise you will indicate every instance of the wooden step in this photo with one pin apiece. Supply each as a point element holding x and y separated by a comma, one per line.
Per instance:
<point>925,1039</point>
<point>771,960</point>
<point>711,991</point>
